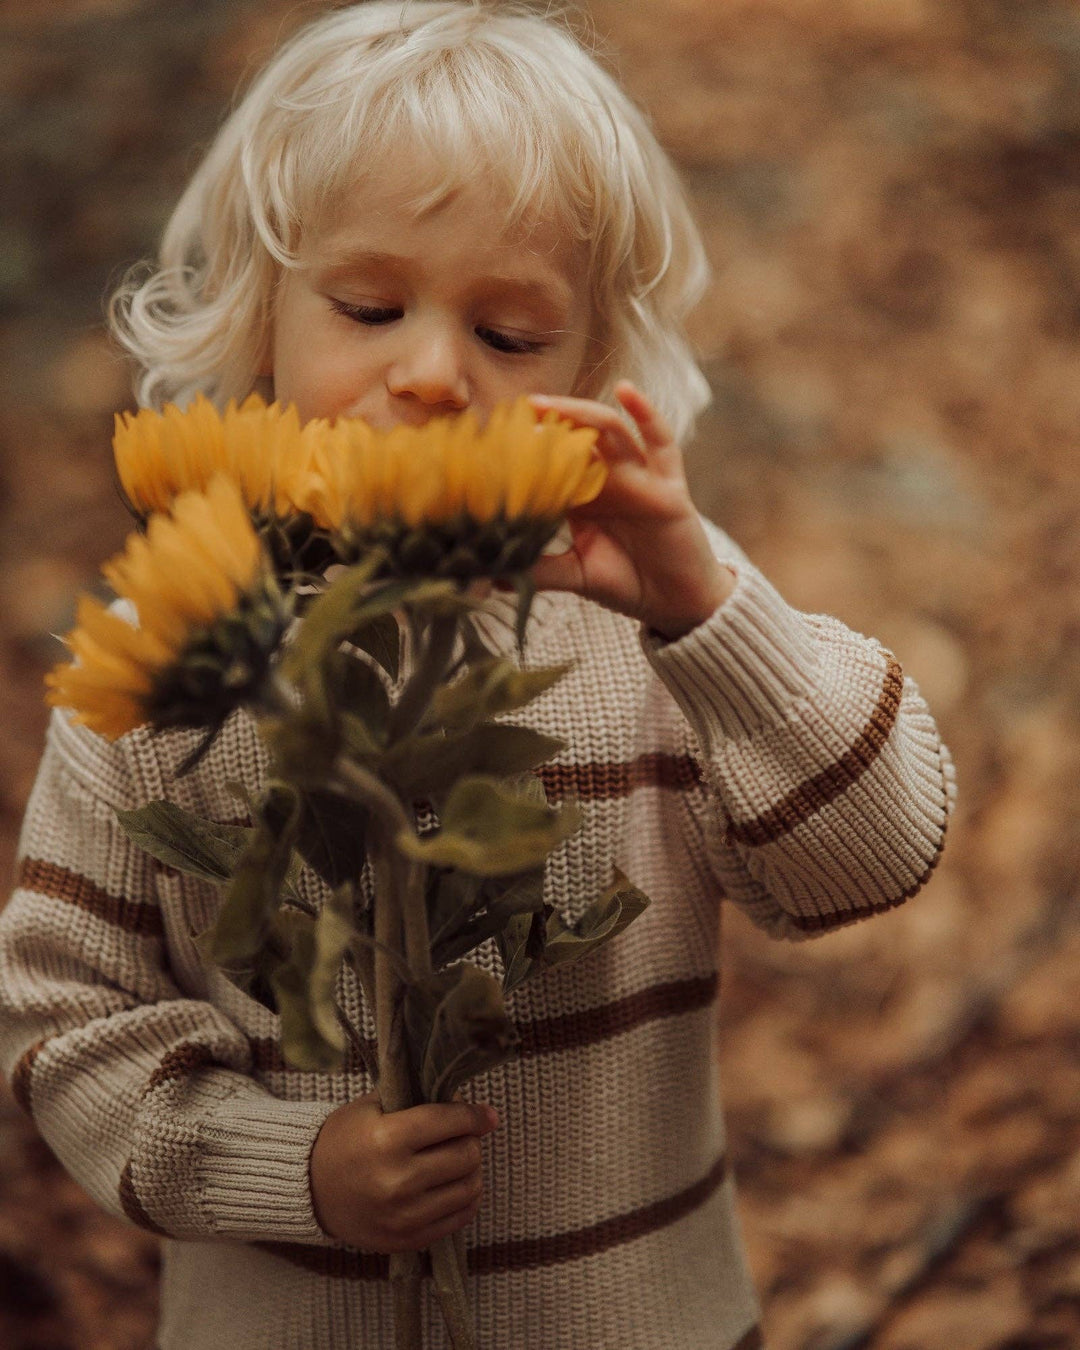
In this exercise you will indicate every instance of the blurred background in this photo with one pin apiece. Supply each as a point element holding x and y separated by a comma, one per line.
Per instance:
<point>890,194</point>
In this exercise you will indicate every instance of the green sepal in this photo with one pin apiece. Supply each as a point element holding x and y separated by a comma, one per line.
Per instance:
<point>492,830</point>
<point>456,1027</point>
<point>525,587</point>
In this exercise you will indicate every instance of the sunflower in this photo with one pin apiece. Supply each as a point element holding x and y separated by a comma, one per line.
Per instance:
<point>262,448</point>
<point>209,617</point>
<point>450,498</point>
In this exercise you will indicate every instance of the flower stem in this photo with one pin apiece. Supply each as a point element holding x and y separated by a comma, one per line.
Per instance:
<point>448,1268</point>
<point>406,878</point>
<point>394,1088</point>
<point>429,672</point>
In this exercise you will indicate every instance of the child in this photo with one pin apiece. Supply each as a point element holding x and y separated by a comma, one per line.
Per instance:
<point>417,210</point>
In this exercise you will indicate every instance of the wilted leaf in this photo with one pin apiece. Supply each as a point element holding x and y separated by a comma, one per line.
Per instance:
<point>615,910</point>
<point>530,943</point>
<point>178,838</point>
<point>466,910</point>
<point>303,1042</point>
<point>192,844</point>
<point>359,691</point>
<point>525,587</point>
<point>380,636</point>
<point>334,931</point>
<point>254,891</point>
<point>457,1027</point>
<point>331,835</point>
<point>492,685</point>
<point>492,831</point>
<point>423,765</point>
<point>436,599</point>
<point>326,625</point>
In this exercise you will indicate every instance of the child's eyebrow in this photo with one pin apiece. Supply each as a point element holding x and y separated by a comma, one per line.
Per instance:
<point>550,290</point>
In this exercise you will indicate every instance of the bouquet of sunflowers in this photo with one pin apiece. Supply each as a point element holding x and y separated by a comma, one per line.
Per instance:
<point>325,579</point>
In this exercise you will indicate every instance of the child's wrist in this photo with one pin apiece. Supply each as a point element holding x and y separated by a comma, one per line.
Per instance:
<point>695,609</point>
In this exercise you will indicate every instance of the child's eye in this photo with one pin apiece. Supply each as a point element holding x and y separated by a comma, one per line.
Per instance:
<point>365,313</point>
<point>505,342</point>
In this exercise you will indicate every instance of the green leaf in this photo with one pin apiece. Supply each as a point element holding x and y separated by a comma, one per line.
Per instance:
<point>426,764</point>
<point>305,983</point>
<point>604,919</point>
<point>521,944</point>
<point>302,1042</point>
<point>492,685</point>
<point>327,624</point>
<point>180,839</point>
<point>490,830</point>
<point>530,943</point>
<point>456,1026</point>
<point>359,691</point>
<point>254,891</point>
<point>334,930</point>
<point>380,637</point>
<point>467,910</point>
<point>192,844</point>
<point>437,599</point>
<point>331,835</point>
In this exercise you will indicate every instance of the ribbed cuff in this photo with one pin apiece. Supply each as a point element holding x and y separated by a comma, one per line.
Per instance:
<point>254,1164</point>
<point>743,668</point>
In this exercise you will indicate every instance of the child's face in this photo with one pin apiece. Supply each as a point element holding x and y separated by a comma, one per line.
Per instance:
<point>397,318</point>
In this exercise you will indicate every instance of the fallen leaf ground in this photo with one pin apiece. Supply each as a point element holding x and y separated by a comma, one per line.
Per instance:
<point>889,193</point>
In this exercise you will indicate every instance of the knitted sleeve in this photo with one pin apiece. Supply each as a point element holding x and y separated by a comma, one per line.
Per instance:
<point>832,783</point>
<point>142,1093</point>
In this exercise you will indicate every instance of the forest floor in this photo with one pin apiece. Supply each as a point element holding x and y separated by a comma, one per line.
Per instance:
<point>889,195</point>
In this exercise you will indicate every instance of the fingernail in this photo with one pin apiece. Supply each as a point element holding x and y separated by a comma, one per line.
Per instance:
<point>493,1116</point>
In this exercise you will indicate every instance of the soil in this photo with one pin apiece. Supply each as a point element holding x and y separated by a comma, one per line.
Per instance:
<point>889,193</point>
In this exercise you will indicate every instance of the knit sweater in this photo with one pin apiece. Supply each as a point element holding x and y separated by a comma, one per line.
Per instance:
<point>769,757</point>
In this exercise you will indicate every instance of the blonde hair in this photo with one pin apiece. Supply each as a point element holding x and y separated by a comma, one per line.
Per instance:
<point>492,89</point>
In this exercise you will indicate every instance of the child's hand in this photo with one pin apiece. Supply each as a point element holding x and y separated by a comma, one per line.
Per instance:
<point>398,1182</point>
<point>640,547</point>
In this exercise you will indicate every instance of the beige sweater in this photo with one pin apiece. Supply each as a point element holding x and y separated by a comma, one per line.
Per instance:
<point>770,757</point>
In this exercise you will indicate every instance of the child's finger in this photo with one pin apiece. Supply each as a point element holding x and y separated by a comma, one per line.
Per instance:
<point>616,439</point>
<point>434,1122</point>
<point>655,432</point>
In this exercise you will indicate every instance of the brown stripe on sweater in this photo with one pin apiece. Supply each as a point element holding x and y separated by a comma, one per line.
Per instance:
<point>819,923</point>
<point>618,778</point>
<point>21,1075</point>
<point>520,1253</point>
<point>132,1205</point>
<point>568,1031</point>
<point>58,883</point>
<point>815,793</point>
<point>182,1060</point>
<point>563,1031</point>
<point>528,1253</point>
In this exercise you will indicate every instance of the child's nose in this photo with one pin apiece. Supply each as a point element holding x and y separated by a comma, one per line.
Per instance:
<point>430,368</point>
